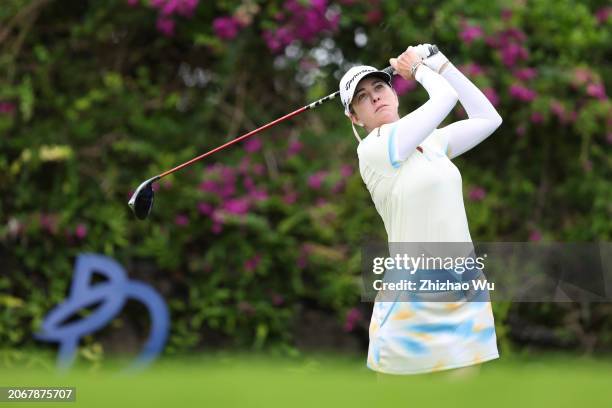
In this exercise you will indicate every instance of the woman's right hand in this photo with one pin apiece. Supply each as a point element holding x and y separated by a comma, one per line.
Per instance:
<point>404,62</point>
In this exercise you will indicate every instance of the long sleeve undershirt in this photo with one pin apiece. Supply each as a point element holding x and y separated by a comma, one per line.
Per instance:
<point>412,129</point>
<point>444,90</point>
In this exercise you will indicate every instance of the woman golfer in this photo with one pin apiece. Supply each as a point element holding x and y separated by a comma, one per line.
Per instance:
<point>406,165</point>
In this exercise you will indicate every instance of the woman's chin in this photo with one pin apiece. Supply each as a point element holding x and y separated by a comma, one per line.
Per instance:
<point>386,116</point>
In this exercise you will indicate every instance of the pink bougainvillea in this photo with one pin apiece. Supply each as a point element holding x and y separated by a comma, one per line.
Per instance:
<point>402,86</point>
<point>300,21</point>
<point>469,33</point>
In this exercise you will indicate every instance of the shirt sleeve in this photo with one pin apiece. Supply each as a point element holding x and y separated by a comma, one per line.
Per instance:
<point>411,130</point>
<point>483,119</point>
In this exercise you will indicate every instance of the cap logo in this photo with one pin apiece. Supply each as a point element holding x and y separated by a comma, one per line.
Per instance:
<point>350,81</point>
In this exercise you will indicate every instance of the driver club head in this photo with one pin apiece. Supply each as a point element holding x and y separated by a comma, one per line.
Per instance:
<point>141,201</point>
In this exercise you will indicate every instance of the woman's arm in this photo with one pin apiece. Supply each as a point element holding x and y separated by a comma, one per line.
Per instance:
<point>408,132</point>
<point>462,135</point>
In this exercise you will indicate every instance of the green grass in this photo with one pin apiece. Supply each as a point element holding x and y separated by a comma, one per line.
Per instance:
<point>243,380</point>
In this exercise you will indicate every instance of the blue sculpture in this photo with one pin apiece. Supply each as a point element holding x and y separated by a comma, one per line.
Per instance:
<point>112,294</point>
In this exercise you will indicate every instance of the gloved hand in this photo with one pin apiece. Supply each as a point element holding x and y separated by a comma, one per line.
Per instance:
<point>434,62</point>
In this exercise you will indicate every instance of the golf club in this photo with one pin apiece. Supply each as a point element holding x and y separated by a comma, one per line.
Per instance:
<point>141,201</point>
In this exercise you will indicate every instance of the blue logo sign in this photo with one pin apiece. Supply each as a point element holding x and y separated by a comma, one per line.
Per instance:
<point>111,295</point>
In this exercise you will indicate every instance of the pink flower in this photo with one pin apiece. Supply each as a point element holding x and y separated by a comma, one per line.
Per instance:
<point>227,191</point>
<point>557,109</point>
<point>374,16</point>
<point>251,264</point>
<point>582,76</point>
<point>525,74</point>
<point>133,3</point>
<point>402,86</point>
<point>290,197</point>
<point>80,231</point>
<point>609,138</point>
<point>522,93</point>
<point>492,41</point>
<point>295,146</point>
<point>209,186</point>
<point>49,223</point>
<point>513,34</point>
<point>238,206</point>
<point>167,8</point>
<point>346,170</point>
<point>187,8</point>
<point>205,208</point>
<point>491,96</point>
<point>511,53</point>
<point>272,41</point>
<point>316,180</point>
<point>259,195</point>
<point>535,235</point>
<point>248,183</point>
<point>353,317</point>
<point>521,130</point>
<point>301,21</point>
<point>308,64</point>
<point>244,164</point>
<point>338,187</point>
<point>7,108</point>
<point>165,26</point>
<point>596,91</point>
<point>470,33</point>
<point>258,169</point>
<point>477,194</point>
<point>277,299</point>
<point>537,117</point>
<point>561,113</point>
<point>302,260</point>
<point>181,220</point>
<point>216,228</point>
<point>226,28</point>
<point>471,69</point>
<point>506,14</point>
<point>602,14</point>
<point>252,145</point>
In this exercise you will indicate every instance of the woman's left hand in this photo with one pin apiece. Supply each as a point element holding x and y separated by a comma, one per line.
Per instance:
<point>404,62</point>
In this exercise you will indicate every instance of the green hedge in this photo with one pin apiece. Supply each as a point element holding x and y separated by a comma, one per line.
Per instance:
<point>95,97</point>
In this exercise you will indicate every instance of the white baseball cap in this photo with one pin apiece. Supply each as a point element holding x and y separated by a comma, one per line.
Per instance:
<point>348,83</point>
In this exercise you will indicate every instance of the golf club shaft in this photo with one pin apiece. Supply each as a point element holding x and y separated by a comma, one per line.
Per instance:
<point>231,142</point>
<point>251,133</point>
<point>389,70</point>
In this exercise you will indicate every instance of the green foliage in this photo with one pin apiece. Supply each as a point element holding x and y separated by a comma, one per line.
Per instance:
<point>96,100</point>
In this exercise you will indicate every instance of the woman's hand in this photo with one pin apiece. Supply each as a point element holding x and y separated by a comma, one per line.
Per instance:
<point>435,62</point>
<point>404,63</point>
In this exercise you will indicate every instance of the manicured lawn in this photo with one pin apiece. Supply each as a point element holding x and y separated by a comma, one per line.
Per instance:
<point>245,380</point>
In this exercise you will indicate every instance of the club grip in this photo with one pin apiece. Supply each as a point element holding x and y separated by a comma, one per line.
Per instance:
<point>433,49</point>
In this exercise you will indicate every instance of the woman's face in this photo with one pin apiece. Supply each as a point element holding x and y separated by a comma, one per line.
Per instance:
<point>375,103</point>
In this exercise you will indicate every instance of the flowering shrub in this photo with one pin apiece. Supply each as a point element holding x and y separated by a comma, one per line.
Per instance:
<point>95,99</point>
